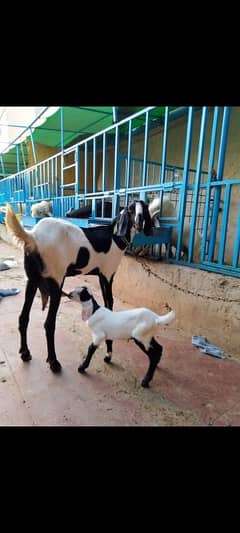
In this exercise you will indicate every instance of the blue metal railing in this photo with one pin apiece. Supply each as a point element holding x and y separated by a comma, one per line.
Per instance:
<point>102,169</point>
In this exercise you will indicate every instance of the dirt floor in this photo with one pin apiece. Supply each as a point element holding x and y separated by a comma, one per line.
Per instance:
<point>188,389</point>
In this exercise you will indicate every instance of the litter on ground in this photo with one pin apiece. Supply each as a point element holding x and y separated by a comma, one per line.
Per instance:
<point>206,347</point>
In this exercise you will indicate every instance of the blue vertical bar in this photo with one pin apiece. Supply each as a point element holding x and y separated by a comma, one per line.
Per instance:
<point>115,112</point>
<point>197,182</point>
<point>185,180</point>
<point>208,186</point>
<point>18,158</point>
<point>43,179</point>
<point>223,232</point>
<point>164,146</point>
<point>62,127</point>
<point>33,147</point>
<point>236,242</point>
<point>56,184</point>
<point>62,150</point>
<point>27,185</point>
<point>39,184</point>
<point>3,167</point>
<point>48,178</point>
<point>220,168</point>
<point>213,139</point>
<point>146,138</point>
<point>86,168</point>
<point>133,174</point>
<point>51,179</point>
<point>77,157</point>
<point>104,161</point>
<point>223,143</point>
<point>116,165</point>
<point>129,153</point>
<point>94,164</point>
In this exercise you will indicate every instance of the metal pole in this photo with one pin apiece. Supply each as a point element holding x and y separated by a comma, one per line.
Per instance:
<point>185,180</point>
<point>197,182</point>
<point>220,168</point>
<point>146,137</point>
<point>208,187</point>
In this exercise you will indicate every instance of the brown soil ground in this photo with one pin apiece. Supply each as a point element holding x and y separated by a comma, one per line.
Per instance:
<point>188,388</point>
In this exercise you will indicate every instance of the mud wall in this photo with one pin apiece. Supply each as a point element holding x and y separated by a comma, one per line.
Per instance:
<point>205,303</point>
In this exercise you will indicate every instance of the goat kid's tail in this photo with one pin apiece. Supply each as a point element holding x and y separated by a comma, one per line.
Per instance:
<point>165,319</point>
<point>20,235</point>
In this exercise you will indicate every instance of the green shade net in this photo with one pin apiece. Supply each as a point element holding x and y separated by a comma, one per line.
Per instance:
<point>78,123</point>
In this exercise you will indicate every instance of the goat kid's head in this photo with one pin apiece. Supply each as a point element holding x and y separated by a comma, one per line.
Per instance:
<point>84,296</point>
<point>80,295</point>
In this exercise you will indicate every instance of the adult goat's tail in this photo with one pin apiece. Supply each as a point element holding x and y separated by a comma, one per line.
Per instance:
<point>20,235</point>
<point>165,319</point>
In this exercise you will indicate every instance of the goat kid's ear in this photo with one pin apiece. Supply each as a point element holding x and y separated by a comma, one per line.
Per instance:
<point>73,295</point>
<point>67,294</point>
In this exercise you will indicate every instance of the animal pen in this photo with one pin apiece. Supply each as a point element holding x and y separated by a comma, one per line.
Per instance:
<point>174,153</point>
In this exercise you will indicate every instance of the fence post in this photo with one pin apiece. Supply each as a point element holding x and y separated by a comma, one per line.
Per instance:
<point>217,193</point>
<point>185,181</point>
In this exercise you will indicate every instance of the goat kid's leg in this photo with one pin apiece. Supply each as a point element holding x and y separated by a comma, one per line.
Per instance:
<point>30,292</point>
<point>50,324</point>
<point>108,356</point>
<point>154,352</point>
<point>92,348</point>
<point>106,287</point>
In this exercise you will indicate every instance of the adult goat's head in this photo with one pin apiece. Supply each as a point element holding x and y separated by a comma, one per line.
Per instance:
<point>136,216</point>
<point>124,224</point>
<point>140,216</point>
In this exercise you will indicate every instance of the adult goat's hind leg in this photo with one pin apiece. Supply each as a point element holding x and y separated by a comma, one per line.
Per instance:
<point>154,352</point>
<point>106,287</point>
<point>30,292</point>
<point>50,324</point>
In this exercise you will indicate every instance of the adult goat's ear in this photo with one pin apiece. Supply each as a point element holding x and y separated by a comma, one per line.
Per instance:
<point>147,219</point>
<point>123,223</point>
<point>115,224</point>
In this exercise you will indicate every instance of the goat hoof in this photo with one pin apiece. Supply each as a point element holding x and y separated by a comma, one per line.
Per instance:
<point>145,384</point>
<point>26,356</point>
<point>107,359</point>
<point>81,369</point>
<point>55,367</point>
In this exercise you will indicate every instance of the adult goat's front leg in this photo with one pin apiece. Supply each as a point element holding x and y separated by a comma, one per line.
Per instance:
<point>30,292</point>
<point>106,287</point>
<point>50,324</point>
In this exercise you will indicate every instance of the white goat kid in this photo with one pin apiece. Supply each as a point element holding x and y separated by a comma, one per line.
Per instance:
<point>138,324</point>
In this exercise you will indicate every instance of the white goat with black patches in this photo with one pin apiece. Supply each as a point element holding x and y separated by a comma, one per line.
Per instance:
<point>138,324</point>
<point>54,249</point>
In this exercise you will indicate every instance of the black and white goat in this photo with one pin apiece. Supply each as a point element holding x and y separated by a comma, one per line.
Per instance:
<point>54,249</point>
<point>138,324</point>
<point>146,221</point>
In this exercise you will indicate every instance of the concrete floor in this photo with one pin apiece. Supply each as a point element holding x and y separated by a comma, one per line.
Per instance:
<point>188,389</point>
